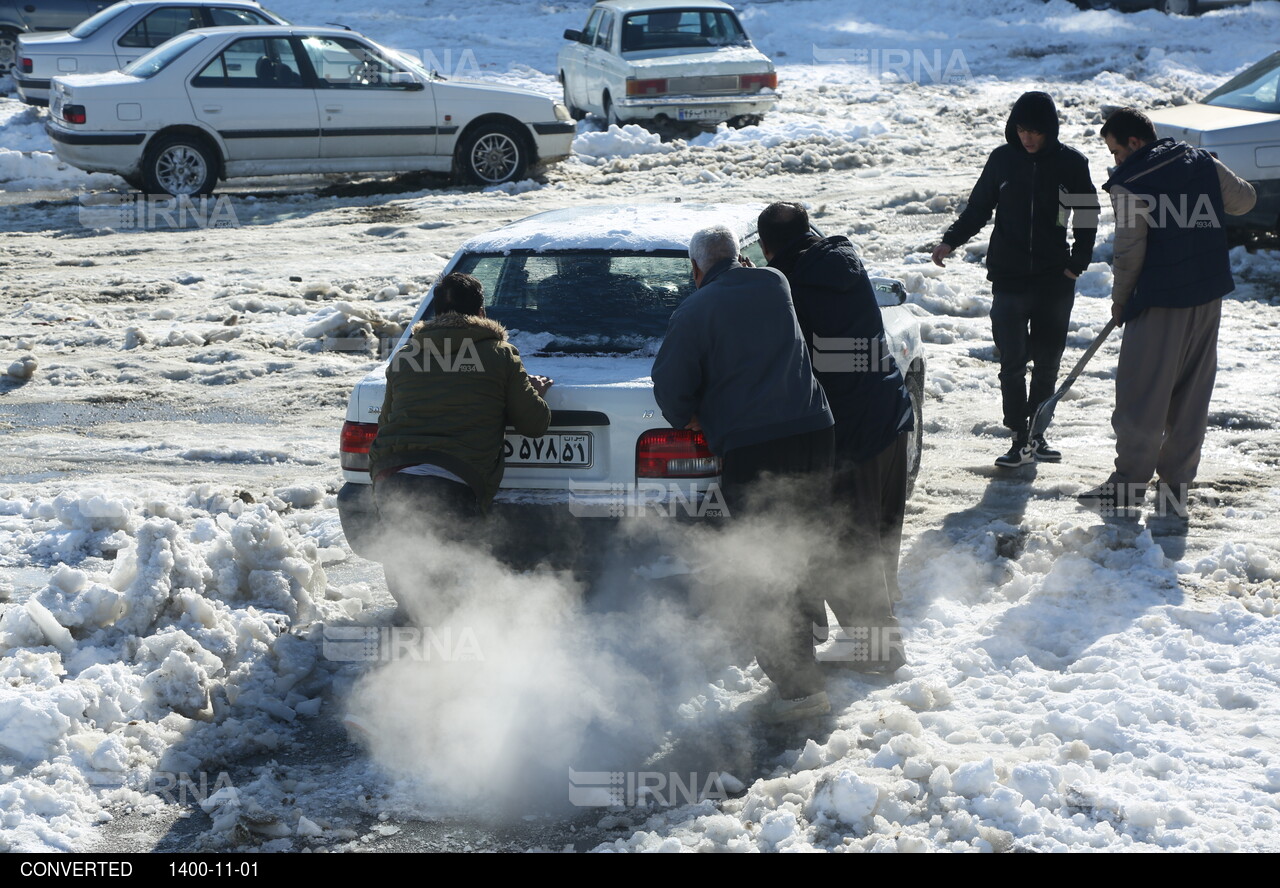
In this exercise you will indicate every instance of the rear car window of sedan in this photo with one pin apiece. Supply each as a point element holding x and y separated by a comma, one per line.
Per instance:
<point>588,300</point>
<point>226,17</point>
<point>680,29</point>
<point>1255,89</point>
<point>253,63</point>
<point>93,24</point>
<point>162,25</point>
<point>162,56</point>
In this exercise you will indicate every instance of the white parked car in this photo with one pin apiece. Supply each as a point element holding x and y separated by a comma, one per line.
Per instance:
<point>586,295</point>
<point>666,63</point>
<point>119,34</point>
<point>220,103</point>
<point>1240,123</point>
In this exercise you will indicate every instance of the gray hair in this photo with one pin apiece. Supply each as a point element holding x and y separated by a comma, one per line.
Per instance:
<point>712,245</point>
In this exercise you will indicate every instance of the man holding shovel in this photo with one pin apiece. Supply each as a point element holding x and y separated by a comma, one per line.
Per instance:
<point>1171,271</point>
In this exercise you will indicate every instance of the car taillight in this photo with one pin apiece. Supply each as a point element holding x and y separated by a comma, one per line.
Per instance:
<point>646,87</point>
<point>354,448</point>
<point>73,113</point>
<point>26,66</point>
<point>757,82</point>
<point>675,453</point>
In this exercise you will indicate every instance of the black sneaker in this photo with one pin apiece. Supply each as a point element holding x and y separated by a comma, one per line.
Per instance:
<point>1019,455</point>
<point>1041,450</point>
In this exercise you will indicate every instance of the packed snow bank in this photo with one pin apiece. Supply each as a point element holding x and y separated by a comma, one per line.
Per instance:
<point>186,649</point>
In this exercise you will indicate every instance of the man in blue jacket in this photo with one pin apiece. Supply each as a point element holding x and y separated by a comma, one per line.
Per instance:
<point>1032,184</point>
<point>734,365</point>
<point>1171,270</point>
<point>837,309</point>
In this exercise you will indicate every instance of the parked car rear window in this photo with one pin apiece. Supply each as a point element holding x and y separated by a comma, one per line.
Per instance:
<point>680,29</point>
<point>588,301</point>
<point>94,23</point>
<point>1254,89</point>
<point>162,56</point>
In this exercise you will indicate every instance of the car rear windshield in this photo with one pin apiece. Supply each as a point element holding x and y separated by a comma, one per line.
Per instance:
<point>94,23</point>
<point>680,29</point>
<point>588,301</point>
<point>159,58</point>
<point>1254,89</point>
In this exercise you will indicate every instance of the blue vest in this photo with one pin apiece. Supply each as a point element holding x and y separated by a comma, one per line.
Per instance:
<point>1176,187</point>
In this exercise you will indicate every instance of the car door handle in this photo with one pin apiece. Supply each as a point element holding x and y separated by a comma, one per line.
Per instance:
<point>212,109</point>
<point>332,109</point>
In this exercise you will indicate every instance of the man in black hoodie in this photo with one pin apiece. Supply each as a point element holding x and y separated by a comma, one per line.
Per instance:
<point>836,302</point>
<point>1032,184</point>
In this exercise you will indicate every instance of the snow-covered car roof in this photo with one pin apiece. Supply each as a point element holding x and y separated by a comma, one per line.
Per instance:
<point>655,5</point>
<point>640,227</point>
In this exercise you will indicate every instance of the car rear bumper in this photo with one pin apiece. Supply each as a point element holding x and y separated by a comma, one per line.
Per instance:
<point>33,91</point>
<point>98,152</point>
<point>564,528</point>
<point>723,107</point>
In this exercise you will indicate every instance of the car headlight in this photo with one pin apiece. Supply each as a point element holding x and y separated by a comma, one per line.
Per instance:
<point>562,113</point>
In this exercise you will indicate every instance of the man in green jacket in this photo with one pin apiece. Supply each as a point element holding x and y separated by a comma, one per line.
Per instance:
<point>452,390</point>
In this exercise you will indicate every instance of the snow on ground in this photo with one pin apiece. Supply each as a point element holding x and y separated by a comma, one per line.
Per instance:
<point>170,555</point>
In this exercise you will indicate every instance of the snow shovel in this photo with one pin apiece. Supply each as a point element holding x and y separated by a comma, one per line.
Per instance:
<point>1044,414</point>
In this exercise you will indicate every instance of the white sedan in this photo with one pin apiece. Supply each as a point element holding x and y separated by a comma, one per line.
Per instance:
<point>119,34</point>
<point>667,64</point>
<point>1239,122</point>
<point>220,103</point>
<point>587,294</point>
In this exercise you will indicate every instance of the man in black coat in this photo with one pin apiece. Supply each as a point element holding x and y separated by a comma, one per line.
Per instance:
<point>734,365</point>
<point>1033,183</point>
<point>840,319</point>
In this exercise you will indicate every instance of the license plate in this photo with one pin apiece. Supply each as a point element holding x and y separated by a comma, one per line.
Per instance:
<point>558,449</point>
<point>701,114</point>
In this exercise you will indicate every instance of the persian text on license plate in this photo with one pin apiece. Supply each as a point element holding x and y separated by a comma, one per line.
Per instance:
<point>702,114</point>
<point>565,450</point>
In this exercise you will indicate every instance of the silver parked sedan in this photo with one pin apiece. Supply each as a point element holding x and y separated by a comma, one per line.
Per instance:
<point>22,17</point>
<point>119,34</point>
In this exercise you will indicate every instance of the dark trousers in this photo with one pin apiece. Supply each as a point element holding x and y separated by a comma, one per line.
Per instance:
<point>871,500</point>
<point>1029,323</point>
<point>800,466</point>
<point>422,511</point>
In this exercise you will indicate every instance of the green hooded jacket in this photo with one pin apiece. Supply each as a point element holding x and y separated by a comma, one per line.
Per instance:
<point>453,389</point>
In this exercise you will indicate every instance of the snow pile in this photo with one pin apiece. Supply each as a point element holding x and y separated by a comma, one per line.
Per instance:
<point>620,141</point>
<point>184,649</point>
<point>1040,725</point>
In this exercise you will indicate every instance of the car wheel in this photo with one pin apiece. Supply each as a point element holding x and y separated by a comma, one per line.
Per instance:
<point>915,388</point>
<point>610,113</point>
<point>8,50</point>
<point>492,154</point>
<point>1177,7</point>
<point>180,166</point>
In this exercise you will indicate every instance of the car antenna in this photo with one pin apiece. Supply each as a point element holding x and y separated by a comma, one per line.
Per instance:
<point>337,25</point>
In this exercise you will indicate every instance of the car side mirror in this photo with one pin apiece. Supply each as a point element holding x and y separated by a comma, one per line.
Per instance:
<point>889,292</point>
<point>406,81</point>
<point>573,34</point>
